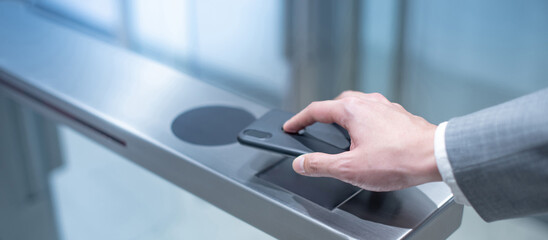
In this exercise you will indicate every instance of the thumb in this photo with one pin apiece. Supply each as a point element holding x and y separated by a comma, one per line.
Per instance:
<point>315,164</point>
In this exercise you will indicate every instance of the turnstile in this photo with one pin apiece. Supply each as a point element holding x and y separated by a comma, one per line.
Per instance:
<point>128,103</point>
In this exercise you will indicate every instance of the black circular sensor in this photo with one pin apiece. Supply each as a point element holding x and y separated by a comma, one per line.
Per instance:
<point>212,125</point>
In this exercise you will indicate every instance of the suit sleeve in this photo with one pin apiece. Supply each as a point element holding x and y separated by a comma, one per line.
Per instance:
<point>499,157</point>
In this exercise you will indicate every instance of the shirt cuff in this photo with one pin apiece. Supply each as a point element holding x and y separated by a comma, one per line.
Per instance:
<point>444,165</point>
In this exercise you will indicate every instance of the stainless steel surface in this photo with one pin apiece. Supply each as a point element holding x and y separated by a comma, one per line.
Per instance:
<point>127,103</point>
<point>327,192</point>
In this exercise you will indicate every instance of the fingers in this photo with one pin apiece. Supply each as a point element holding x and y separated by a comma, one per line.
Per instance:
<point>325,112</point>
<point>364,96</point>
<point>317,164</point>
<point>328,111</point>
<point>350,93</point>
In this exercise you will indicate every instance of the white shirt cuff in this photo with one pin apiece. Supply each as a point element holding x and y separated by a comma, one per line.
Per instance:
<point>445,167</point>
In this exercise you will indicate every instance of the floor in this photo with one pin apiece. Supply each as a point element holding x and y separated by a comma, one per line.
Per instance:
<point>99,195</point>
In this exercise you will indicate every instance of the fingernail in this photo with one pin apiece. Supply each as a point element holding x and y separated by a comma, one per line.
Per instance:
<point>298,164</point>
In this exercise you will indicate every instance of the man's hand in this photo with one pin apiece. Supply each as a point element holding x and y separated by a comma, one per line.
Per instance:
<point>390,148</point>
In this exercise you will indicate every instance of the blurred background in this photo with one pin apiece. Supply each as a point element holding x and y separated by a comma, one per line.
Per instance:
<point>439,59</point>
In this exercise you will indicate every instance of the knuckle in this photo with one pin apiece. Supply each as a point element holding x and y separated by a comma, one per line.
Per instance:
<point>351,103</point>
<point>314,104</point>
<point>311,165</point>
<point>347,93</point>
<point>346,110</point>
<point>350,106</point>
<point>312,107</point>
<point>351,100</point>
<point>378,96</point>
<point>317,108</point>
<point>398,105</point>
<point>345,169</point>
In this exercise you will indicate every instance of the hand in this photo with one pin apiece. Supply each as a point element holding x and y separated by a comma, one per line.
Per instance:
<point>390,148</point>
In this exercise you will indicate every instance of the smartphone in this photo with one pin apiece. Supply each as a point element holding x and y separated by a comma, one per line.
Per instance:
<point>267,133</point>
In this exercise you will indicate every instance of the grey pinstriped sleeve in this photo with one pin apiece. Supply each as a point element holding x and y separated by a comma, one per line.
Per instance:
<point>499,157</point>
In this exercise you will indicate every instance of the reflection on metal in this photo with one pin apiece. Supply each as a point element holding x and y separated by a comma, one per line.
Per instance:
<point>114,97</point>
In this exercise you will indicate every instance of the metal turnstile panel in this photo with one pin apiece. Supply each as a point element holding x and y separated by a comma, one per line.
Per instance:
<point>128,103</point>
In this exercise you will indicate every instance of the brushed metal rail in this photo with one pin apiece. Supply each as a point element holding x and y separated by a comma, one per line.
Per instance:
<point>127,103</point>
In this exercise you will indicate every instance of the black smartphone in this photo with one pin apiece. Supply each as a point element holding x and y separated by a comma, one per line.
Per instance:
<point>267,133</point>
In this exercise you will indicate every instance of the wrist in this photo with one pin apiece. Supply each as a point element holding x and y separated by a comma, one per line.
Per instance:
<point>428,167</point>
